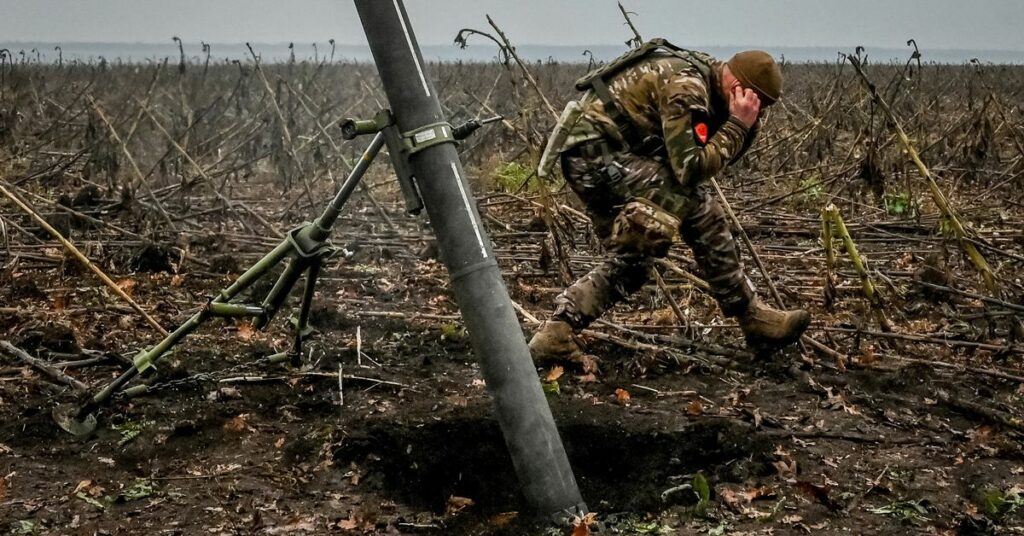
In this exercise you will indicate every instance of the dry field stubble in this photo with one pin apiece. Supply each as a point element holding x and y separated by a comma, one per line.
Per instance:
<point>915,429</point>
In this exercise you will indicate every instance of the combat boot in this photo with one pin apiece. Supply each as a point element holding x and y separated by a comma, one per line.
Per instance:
<point>554,340</point>
<point>766,328</point>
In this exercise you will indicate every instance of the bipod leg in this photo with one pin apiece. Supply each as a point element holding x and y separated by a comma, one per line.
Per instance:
<point>277,296</point>
<point>81,421</point>
<point>302,325</point>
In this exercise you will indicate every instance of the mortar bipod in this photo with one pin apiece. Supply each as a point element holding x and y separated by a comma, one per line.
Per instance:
<point>306,247</point>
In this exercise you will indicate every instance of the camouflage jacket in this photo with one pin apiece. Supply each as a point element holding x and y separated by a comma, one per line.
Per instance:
<point>671,99</point>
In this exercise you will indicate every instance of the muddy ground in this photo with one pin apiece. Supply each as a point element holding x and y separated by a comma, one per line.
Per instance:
<point>407,443</point>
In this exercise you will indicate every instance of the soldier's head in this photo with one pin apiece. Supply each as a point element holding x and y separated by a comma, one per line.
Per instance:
<point>755,70</point>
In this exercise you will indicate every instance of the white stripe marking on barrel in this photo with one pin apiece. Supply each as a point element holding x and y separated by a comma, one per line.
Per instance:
<point>469,211</point>
<point>412,50</point>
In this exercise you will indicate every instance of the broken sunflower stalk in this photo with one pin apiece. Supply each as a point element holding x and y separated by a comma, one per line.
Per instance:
<point>832,223</point>
<point>950,218</point>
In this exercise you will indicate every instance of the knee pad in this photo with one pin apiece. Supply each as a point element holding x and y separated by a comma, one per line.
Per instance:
<point>643,228</point>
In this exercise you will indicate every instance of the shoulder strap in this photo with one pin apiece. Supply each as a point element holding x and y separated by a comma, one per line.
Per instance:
<point>611,109</point>
<point>598,79</point>
<point>618,64</point>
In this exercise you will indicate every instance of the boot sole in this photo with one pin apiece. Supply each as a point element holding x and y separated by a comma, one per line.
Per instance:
<point>761,345</point>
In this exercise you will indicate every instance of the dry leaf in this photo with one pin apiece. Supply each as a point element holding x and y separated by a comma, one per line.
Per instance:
<point>457,400</point>
<point>238,424</point>
<point>3,489</point>
<point>352,474</point>
<point>246,331</point>
<point>581,530</point>
<point>621,395</point>
<point>581,527</point>
<point>127,285</point>
<point>89,488</point>
<point>355,522</point>
<point>784,468</point>
<point>60,302</point>
<point>732,499</point>
<point>836,401</point>
<point>589,364</point>
<point>664,317</point>
<point>736,498</point>
<point>503,519</point>
<point>694,408</point>
<point>229,392</point>
<point>279,443</point>
<point>458,504</point>
<point>177,280</point>
<point>819,493</point>
<point>555,373</point>
<point>587,378</point>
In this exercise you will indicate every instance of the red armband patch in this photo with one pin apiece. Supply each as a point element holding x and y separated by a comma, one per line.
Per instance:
<point>700,130</point>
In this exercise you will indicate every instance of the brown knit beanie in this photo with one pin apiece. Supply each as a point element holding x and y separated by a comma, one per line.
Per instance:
<point>757,70</point>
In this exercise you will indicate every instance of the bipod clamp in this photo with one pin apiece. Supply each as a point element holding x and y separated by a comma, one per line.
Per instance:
<point>312,249</point>
<point>402,145</point>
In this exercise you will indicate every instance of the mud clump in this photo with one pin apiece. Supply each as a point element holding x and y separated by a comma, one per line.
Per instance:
<point>224,264</point>
<point>53,336</point>
<point>23,288</point>
<point>153,258</point>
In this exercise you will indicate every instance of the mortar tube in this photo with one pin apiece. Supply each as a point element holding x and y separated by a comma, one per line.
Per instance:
<point>533,442</point>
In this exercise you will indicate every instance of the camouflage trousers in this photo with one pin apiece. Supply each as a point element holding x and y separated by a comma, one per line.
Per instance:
<point>703,227</point>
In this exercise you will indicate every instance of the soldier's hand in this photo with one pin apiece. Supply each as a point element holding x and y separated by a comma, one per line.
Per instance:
<point>745,106</point>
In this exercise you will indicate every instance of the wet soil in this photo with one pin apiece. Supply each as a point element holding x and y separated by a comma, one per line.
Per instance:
<point>409,445</point>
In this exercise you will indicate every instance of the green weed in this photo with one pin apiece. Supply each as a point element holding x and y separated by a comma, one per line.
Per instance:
<point>811,187</point>
<point>139,489</point>
<point>511,176</point>
<point>100,505</point>
<point>130,430</point>
<point>636,526</point>
<point>703,491</point>
<point>898,204</point>
<point>719,530</point>
<point>452,332</point>
<point>995,502</point>
<point>946,227</point>
<point>913,512</point>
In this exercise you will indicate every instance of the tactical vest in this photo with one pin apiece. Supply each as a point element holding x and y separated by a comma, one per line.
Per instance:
<point>598,79</point>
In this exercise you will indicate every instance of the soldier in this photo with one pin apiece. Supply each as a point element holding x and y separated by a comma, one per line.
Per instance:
<point>638,150</point>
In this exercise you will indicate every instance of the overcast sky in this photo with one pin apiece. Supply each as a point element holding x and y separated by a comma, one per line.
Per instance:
<point>981,24</point>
